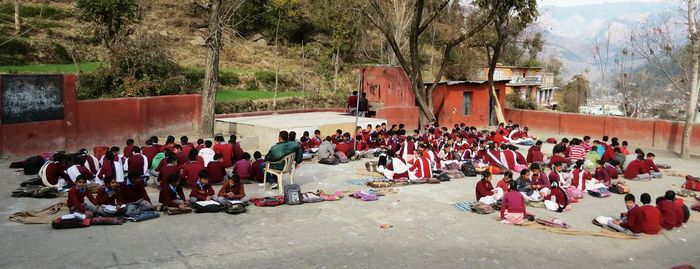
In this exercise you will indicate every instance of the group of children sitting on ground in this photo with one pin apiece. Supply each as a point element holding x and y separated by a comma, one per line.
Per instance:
<point>576,167</point>
<point>121,177</point>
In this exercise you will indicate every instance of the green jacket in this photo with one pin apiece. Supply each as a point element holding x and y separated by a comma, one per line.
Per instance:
<point>279,150</point>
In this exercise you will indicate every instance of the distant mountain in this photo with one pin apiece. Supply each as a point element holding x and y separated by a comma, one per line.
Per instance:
<point>570,32</point>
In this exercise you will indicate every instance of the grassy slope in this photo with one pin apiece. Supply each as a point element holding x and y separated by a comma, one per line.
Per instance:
<point>230,95</point>
<point>50,68</point>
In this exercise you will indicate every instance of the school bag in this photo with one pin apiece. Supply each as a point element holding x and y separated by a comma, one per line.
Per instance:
<point>33,164</point>
<point>70,223</point>
<point>692,183</point>
<point>207,207</point>
<point>601,192</point>
<point>269,201</point>
<point>468,169</point>
<point>32,181</point>
<point>235,208</point>
<point>292,195</point>
<point>573,192</point>
<point>443,177</point>
<point>619,188</point>
<point>311,197</point>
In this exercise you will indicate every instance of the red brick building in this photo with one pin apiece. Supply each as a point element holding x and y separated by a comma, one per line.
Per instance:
<point>391,97</point>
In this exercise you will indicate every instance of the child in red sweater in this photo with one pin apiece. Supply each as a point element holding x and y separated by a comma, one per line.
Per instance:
<point>232,190</point>
<point>202,191</point>
<point>171,194</point>
<point>76,198</point>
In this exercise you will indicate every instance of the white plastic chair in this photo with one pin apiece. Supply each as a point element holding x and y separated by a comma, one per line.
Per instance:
<point>289,166</point>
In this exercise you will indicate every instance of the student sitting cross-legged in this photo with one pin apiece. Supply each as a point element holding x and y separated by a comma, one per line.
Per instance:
<point>76,198</point>
<point>513,208</point>
<point>107,197</point>
<point>632,221</point>
<point>232,190</point>
<point>171,194</point>
<point>132,193</point>
<point>202,191</point>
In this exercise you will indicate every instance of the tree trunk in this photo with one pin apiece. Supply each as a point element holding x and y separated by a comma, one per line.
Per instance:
<point>18,23</point>
<point>303,73</point>
<point>336,68</point>
<point>211,72</point>
<point>277,53</point>
<point>496,115</point>
<point>695,58</point>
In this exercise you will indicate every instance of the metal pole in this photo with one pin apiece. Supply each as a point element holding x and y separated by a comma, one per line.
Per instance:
<point>303,82</point>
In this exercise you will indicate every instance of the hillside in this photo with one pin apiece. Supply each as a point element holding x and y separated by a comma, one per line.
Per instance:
<point>52,34</point>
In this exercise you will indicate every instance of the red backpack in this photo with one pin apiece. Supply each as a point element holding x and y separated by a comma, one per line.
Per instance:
<point>268,201</point>
<point>692,183</point>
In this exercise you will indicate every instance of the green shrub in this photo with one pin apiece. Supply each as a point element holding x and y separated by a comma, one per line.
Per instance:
<point>36,11</point>
<point>514,100</point>
<point>228,78</point>
<point>140,68</point>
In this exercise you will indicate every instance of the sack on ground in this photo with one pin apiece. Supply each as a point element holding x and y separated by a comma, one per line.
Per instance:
<point>177,210</point>
<point>36,191</point>
<point>292,194</point>
<point>482,208</point>
<point>379,184</point>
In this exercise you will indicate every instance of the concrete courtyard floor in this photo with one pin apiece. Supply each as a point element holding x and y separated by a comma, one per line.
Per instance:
<point>427,232</point>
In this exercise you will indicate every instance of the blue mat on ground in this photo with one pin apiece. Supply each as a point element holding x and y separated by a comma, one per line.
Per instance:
<point>363,181</point>
<point>464,206</point>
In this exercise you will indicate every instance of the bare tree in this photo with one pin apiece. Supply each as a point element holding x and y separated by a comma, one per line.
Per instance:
<point>657,45</point>
<point>601,56</point>
<point>423,14</point>
<point>18,21</point>
<point>218,22</point>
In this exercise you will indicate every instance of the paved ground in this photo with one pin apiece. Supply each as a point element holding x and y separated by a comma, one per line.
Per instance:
<point>427,232</point>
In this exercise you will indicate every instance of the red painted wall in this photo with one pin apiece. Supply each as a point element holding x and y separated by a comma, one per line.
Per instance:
<point>396,115</point>
<point>660,134</point>
<point>449,108</point>
<point>107,122</point>
<point>387,85</point>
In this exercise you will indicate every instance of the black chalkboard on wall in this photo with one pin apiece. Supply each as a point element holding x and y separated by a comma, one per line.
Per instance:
<point>28,98</point>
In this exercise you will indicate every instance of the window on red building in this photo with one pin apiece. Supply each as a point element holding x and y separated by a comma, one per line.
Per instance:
<point>467,103</point>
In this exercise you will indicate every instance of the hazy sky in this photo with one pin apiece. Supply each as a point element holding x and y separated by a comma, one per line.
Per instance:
<point>583,2</point>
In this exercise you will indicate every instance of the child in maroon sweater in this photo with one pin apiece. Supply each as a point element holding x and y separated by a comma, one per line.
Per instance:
<point>171,194</point>
<point>202,191</point>
<point>216,170</point>
<point>256,170</point>
<point>76,198</point>
<point>232,190</point>
<point>242,168</point>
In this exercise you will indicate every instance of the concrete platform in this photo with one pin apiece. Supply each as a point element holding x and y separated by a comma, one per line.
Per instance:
<point>260,132</point>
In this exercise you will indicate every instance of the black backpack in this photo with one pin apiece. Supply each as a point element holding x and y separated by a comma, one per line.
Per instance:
<point>468,169</point>
<point>292,195</point>
<point>235,209</point>
<point>33,164</point>
<point>210,208</point>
